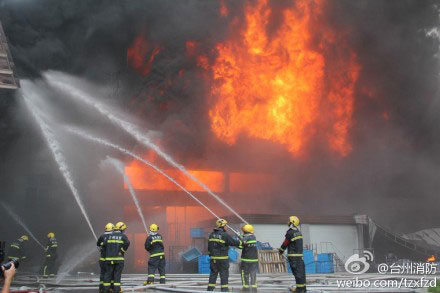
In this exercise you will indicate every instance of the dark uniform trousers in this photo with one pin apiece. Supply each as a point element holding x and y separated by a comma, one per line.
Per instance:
<point>249,271</point>
<point>49,265</point>
<point>156,263</point>
<point>101,274</point>
<point>113,272</point>
<point>219,266</point>
<point>298,270</point>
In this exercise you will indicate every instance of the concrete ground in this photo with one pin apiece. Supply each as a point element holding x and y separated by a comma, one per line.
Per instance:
<point>338,282</point>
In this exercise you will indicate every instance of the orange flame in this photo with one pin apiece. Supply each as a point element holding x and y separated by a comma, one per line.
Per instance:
<point>143,177</point>
<point>137,55</point>
<point>277,87</point>
<point>431,259</point>
<point>224,11</point>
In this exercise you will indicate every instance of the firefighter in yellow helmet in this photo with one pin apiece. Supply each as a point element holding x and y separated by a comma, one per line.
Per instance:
<point>154,245</point>
<point>249,259</point>
<point>108,230</point>
<point>49,266</point>
<point>294,244</point>
<point>218,246</point>
<point>115,246</point>
<point>17,248</point>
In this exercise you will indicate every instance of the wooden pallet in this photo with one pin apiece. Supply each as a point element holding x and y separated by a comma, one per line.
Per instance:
<point>270,261</point>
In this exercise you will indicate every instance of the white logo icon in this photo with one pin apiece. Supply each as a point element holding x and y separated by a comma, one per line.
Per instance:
<point>359,265</point>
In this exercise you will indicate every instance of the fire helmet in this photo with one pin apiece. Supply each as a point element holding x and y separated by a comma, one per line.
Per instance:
<point>51,235</point>
<point>24,237</point>
<point>120,226</point>
<point>221,223</point>
<point>154,228</point>
<point>248,228</point>
<point>293,220</point>
<point>109,227</point>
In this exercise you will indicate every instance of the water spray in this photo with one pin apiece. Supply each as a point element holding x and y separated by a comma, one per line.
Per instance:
<point>58,156</point>
<point>127,152</point>
<point>120,167</point>
<point>18,220</point>
<point>133,131</point>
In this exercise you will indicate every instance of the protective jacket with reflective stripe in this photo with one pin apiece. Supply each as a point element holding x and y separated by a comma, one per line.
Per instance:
<point>154,245</point>
<point>16,249</point>
<point>100,243</point>
<point>115,245</point>
<point>219,242</point>
<point>293,242</point>
<point>51,247</point>
<point>249,246</point>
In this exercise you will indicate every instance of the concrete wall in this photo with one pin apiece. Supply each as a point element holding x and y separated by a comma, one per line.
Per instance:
<point>272,233</point>
<point>339,239</point>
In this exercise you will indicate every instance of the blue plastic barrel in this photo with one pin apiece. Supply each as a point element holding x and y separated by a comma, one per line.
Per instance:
<point>204,264</point>
<point>233,254</point>
<point>325,263</point>
<point>309,262</point>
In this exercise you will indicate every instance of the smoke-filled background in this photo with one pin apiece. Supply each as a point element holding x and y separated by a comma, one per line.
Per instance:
<point>160,62</point>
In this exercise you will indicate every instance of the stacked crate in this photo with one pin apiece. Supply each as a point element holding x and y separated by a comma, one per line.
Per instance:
<point>270,261</point>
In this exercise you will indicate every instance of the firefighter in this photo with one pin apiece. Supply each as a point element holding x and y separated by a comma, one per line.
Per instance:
<point>107,231</point>
<point>17,248</point>
<point>294,244</point>
<point>115,245</point>
<point>49,268</point>
<point>249,259</point>
<point>154,245</point>
<point>218,246</point>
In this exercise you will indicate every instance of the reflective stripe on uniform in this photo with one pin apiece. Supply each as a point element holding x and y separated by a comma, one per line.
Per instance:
<point>115,258</point>
<point>158,240</point>
<point>296,238</point>
<point>13,257</point>
<point>115,241</point>
<point>122,249</point>
<point>117,284</point>
<point>225,286</point>
<point>157,254</point>
<point>102,258</point>
<point>106,284</point>
<point>54,245</point>
<point>242,280</point>
<point>150,276</point>
<point>16,246</point>
<point>219,257</point>
<point>249,260</point>
<point>295,254</point>
<point>162,277</point>
<point>254,286</point>
<point>251,241</point>
<point>300,285</point>
<point>216,240</point>
<point>211,285</point>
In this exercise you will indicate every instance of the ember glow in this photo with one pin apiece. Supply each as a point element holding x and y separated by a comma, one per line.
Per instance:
<point>141,55</point>
<point>144,178</point>
<point>278,87</point>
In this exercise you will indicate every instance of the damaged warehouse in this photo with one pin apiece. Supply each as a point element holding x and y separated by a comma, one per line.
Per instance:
<point>185,146</point>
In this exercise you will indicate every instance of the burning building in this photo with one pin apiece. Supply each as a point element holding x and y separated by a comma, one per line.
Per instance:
<point>294,107</point>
